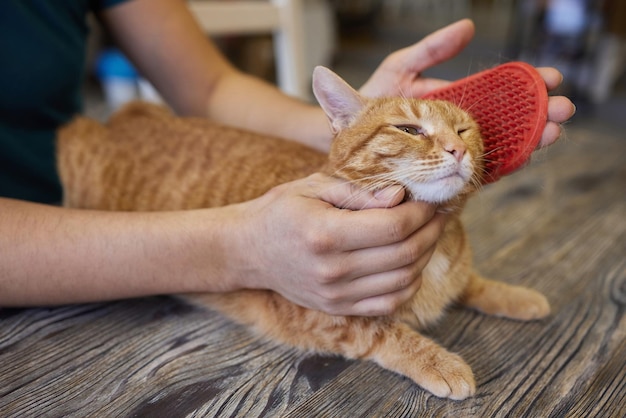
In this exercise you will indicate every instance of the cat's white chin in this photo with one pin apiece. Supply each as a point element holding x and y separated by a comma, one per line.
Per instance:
<point>439,190</point>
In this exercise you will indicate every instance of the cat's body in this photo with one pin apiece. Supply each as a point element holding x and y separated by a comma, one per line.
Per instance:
<point>148,159</point>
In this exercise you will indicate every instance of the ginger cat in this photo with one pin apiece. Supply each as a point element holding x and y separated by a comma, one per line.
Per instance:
<point>147,159</point>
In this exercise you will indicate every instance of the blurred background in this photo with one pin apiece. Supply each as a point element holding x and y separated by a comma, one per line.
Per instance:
<point>584,39</point>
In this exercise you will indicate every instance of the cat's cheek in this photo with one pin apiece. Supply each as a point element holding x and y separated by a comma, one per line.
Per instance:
<point>467,170</point>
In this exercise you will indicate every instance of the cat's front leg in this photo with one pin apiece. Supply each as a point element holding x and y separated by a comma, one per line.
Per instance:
<point>388,342</point>
<point>505,300</point>
<point>431,366</point>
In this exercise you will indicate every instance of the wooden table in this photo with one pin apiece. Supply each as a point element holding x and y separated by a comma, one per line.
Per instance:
<point>558,226</point>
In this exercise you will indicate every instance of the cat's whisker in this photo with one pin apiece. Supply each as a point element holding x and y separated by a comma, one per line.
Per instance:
<point>476,179</point>
<point>491,151</point>
<point>477,102</point>
<point>465,87</point>
<point>381,183</point>
<point>360,190</point>
<point>401,92</point>
<point>484,160</point>
<point>480,165</point>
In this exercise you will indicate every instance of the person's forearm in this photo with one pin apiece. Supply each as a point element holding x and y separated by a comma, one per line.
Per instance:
<point>250,103</point>
<point>51,255</point>
<point>164,41</point>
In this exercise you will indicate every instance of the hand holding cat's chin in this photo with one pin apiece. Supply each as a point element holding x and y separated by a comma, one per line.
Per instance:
<point>342,262</point>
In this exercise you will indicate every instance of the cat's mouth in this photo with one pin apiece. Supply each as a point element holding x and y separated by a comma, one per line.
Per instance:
<point>459,172</point>
<point>439,189</point>
<point>453,182</point>
<point>434,184</point>
<point>457,175</point>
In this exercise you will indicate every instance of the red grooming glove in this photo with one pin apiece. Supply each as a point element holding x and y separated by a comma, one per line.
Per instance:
<point>510,104</point>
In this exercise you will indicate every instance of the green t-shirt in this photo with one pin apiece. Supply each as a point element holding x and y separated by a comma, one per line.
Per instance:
<point>42,63</point>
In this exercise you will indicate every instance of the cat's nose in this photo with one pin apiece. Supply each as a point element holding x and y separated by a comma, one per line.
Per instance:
<point>456,148</point>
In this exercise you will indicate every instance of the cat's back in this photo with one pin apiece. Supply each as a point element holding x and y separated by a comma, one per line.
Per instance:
<point>148,159</point>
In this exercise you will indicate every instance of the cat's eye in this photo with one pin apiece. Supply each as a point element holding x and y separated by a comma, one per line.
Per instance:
<point>462,130</point>
<point>410,129</point>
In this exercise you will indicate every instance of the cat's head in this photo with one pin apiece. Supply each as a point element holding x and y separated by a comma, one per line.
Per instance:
<point>430,147</point>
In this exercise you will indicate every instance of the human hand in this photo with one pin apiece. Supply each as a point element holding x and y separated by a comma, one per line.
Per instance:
<point>400,74</point>
<point>298,242</point>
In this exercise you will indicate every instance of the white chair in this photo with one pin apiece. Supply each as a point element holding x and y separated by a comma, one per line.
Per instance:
<point>282,18</point>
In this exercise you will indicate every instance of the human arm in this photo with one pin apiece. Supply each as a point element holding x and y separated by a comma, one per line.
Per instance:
<point>162,38</point>
<point>164,41</point>
<point>293,240</point>
<point>51,255</point>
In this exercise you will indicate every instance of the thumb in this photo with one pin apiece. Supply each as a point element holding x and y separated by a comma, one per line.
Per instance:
<point>437,47</point>
<point>389,196</point>
<point>345,195</point>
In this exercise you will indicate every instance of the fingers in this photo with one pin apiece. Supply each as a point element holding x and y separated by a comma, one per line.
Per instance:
<point>560,109</point>
<point>379,254</point>
<point>551,76</point>
<point>384,293</point>
<point>345,195</point>
<point>391,277</point>
<point>397,255</point>
<point>382,224</point>
<point>377,227</point>
<point>377,294</point>
<point>551,134</point>
<point>397,72</point>
<point>386,304</point>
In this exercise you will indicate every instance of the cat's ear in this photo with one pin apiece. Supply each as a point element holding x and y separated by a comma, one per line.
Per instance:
<point>340,102</point>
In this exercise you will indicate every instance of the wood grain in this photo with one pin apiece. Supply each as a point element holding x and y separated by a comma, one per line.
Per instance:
<point>558,226</point>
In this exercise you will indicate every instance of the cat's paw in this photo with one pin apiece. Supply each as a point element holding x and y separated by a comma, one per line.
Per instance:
<point>526,305</point>
<point>446,375</point>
